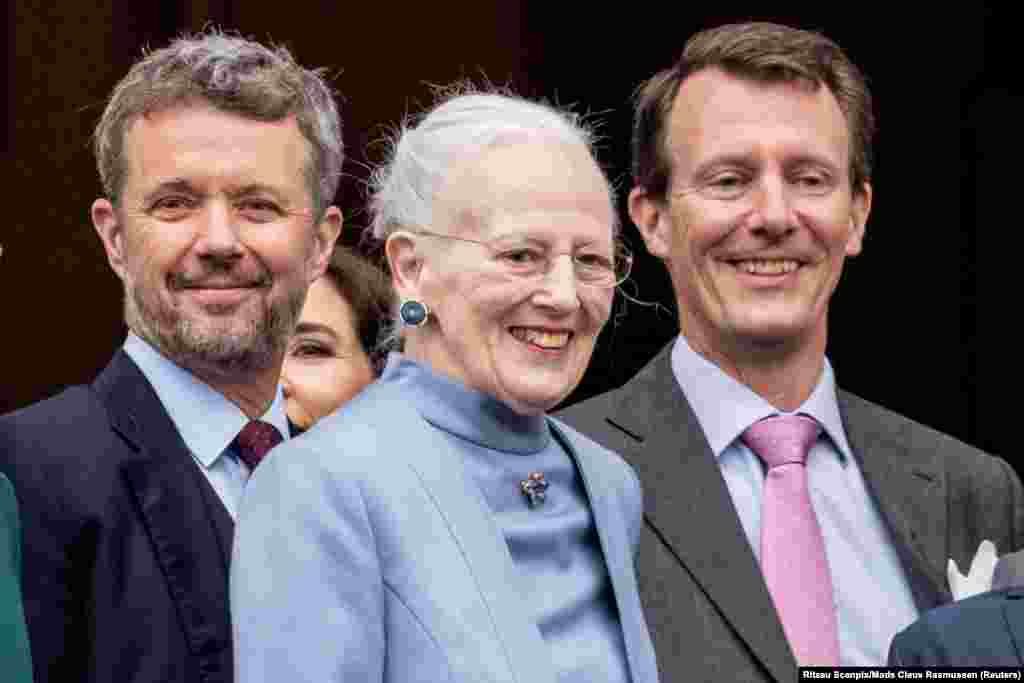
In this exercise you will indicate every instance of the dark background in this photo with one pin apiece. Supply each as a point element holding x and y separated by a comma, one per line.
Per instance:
<point>914,325</point>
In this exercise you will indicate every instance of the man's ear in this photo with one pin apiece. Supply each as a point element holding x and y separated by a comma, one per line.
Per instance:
<point>649,214</point>
<point>406,263</point>
<point>110,228</point>
<point>325,235</point>
<point>860,209</point>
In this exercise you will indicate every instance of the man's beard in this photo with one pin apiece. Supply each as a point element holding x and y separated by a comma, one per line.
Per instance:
<point>198,345</point>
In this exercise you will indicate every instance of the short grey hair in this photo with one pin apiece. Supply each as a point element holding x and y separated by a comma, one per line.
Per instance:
<point>233,75</point>
<point>463,123</point>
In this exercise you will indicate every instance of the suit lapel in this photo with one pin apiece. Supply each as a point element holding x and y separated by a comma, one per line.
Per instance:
<point>608,519</point>
<point>909,489</point>
<point>162,480</point>
<point>218,514</point>
<point>469,520</point>
<point>689,506</point>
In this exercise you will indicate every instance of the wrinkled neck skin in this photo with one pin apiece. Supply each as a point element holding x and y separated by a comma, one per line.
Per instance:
<point>251,389</point>
<point>253,393</point>
<point>782,372</point>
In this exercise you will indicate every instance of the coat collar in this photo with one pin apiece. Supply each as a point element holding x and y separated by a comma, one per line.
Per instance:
<point>206,420</point>
<point>609,514</point>
<point>459,500</point>
<point>162,478</point>
<point>697,521</point>
<point>908,485</point>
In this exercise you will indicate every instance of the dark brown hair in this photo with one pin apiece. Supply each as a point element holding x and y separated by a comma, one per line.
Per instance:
<point>758,51</point>
<point>368,291</point>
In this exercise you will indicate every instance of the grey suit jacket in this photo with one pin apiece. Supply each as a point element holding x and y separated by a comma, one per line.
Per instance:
<point>364,552</point>
<point>709,611</point>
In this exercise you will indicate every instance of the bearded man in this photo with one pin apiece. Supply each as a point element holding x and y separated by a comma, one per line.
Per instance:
<point>219,159</point>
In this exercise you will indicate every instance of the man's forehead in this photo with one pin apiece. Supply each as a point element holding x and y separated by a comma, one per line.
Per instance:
<point>159,112</point>
<point>712,100</point>
<point>185,143</point>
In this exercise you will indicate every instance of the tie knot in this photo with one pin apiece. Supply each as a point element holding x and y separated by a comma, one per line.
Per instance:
<point>255,440</point>
<point>782,439</point>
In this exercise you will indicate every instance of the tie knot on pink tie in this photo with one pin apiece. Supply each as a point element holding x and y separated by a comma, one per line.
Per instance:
<point>783,439</point>
<point>255,441</point>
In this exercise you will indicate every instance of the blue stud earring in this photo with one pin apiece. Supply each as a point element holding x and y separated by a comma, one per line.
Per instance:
<point>413,313</point>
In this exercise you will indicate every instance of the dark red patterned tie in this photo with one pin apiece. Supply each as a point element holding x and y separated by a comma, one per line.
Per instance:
<point>255,440</point>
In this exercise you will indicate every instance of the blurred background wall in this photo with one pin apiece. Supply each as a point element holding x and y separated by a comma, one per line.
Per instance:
<point>914,326</point>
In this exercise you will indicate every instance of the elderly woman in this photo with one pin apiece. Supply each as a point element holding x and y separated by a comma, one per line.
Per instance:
<point>439,526</point>
<point>331,356</point>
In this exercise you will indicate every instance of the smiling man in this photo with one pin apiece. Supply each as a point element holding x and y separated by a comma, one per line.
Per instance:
<point>787,522</point>
<point>219,159</point>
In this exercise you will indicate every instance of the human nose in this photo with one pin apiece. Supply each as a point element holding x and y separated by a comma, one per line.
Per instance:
<point>559,284</point>
<point>218,231</point>
<point>772,209</point>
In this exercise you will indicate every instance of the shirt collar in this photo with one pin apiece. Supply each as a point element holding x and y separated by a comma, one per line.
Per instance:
<point>726,407</point>
<point>472,415</point>
<point>206,420</point>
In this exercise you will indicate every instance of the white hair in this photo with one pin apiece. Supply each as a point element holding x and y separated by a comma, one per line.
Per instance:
<point>421,154</point>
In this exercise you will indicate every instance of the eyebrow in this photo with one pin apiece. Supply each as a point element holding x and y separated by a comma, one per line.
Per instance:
<point>813,160</point>
<point>740,159</point>
<point>184,186</point>
<point>543,239</point>
<point>176,185</point>
<point>750,161</point>
<point>313,328</point>
<point>254,188</point>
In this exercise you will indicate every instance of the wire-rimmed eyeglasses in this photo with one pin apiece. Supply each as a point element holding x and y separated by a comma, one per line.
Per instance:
<point>530,258</point>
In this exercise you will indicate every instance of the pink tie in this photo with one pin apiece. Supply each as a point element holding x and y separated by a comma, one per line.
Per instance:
<point>255,440</point>
<point>792,548</point>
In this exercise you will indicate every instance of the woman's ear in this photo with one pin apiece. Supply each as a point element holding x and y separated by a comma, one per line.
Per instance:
<point>405,260</point>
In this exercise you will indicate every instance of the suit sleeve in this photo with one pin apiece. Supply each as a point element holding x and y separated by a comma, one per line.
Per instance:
<point>306,585</point>
<point>902,651</point>
<point>942,638</point>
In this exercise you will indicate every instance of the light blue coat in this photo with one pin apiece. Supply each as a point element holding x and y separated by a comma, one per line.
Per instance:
<point>364,552</point>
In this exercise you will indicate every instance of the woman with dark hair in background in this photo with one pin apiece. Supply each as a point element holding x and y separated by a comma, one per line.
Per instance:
<point>332,354</point>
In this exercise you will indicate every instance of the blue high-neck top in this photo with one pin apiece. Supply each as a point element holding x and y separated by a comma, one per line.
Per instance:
<point>554,546</point>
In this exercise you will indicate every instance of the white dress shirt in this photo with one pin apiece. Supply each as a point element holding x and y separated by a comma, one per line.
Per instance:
<point>207,422</point>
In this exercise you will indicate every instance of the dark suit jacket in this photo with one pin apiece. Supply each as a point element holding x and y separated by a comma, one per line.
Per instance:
<point>986,630</point>
<point>14,656</point>
<point>126,544</point>
<point>707,606</point>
